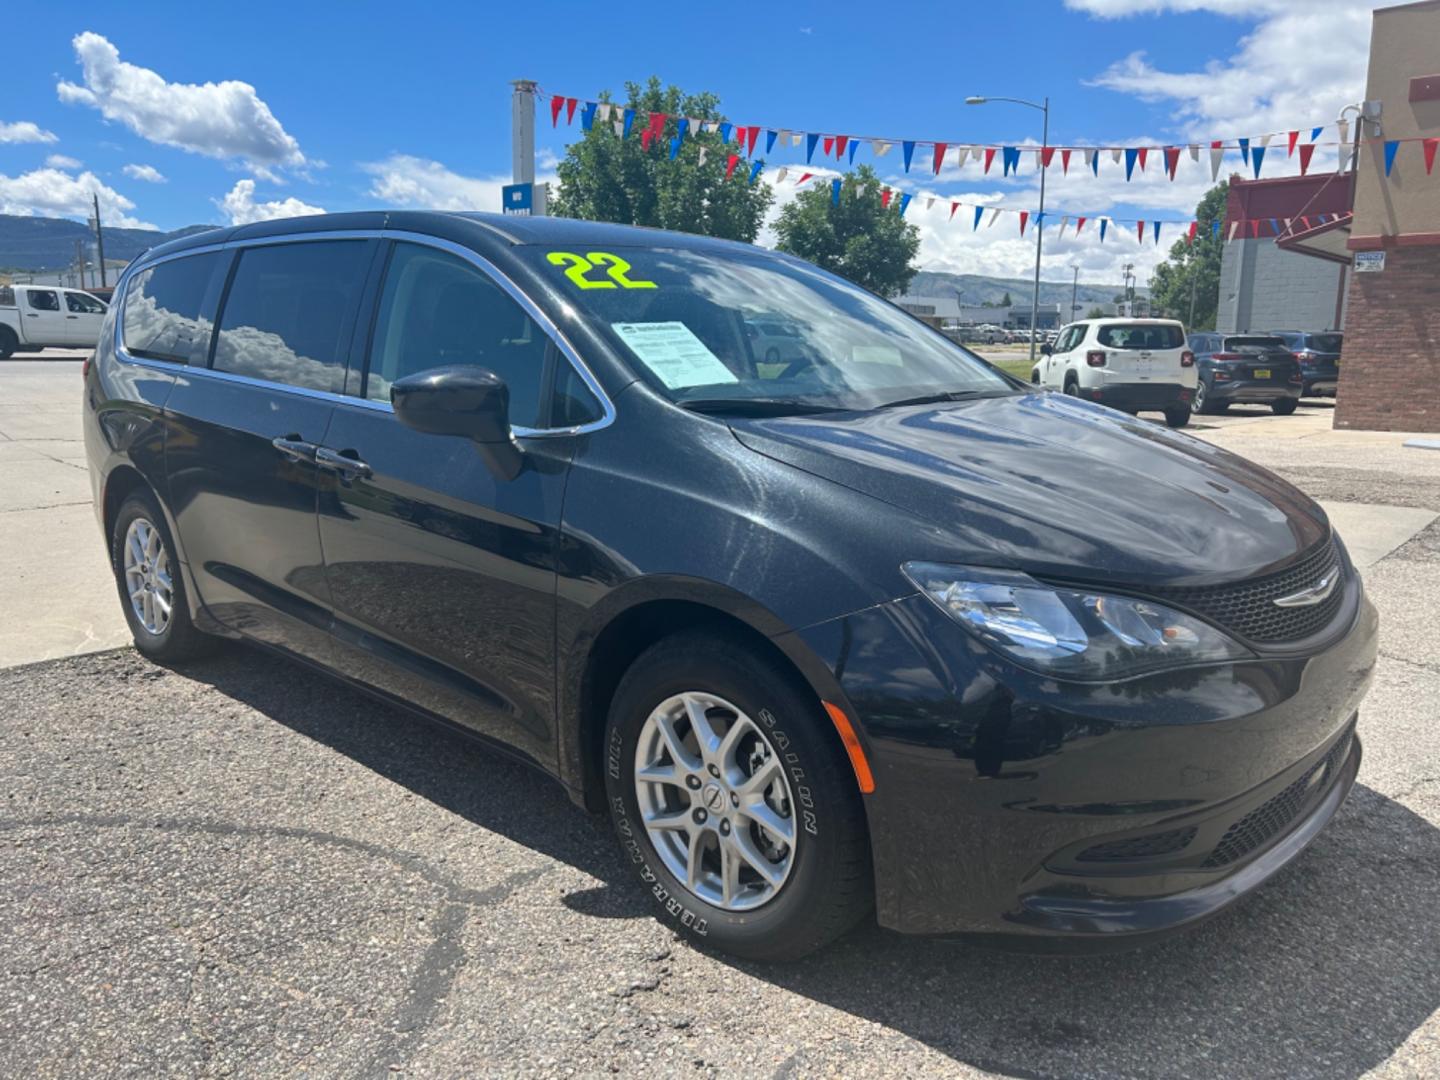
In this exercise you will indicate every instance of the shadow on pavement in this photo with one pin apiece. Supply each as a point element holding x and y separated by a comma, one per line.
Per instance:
<point>1324,972</point>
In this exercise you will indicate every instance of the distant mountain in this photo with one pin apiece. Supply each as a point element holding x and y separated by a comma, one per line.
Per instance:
<point>976,289</point>
<point>37,243</point>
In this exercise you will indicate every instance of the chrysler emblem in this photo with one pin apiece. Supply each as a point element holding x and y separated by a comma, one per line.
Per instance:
<point>1315,594</point>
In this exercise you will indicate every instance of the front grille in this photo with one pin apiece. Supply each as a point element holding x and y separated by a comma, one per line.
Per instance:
<point>1260,825</point>
<point>1139,847</point>
<point>1248,608</point>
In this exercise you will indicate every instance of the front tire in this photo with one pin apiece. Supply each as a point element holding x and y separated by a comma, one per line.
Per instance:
<point>1205,402</point>
<point>734,801</point>
<point>150,584</point>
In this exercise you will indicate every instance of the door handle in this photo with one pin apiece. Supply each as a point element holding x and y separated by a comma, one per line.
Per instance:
<point>347,466</point>
<point>72,316</point>
<point>31,315</point>
<point>294,447</point>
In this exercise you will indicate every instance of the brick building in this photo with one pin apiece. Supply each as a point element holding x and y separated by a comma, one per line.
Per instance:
<point>1390,373</point>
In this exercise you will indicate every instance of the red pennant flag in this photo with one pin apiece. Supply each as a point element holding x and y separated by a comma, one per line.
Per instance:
<point>1172,159</point>
<point>754,134</point>
<point>1047,155</point>
<point>841,141</point>
<point>1305,221</point>
<point>803,178</point>
<point>939,156</point>
<point>1430,145</point>
<point>1065,164</point>
<point>645,137</point>
<point>829,144</point>
<point>1141,155</point>
<point>570,104</point>
<point>555,104</point>
<point>989,157</point>
<point>1306,153</point>
<point>1294,135</point>
<point>1190,236</point>
<point>730,165</point>
<point>1255,228</point>
<point>1080,224</point>
<point>1140,230</point>
<point>657,122</point>
<point>885,196</point>
<point>1024,217</point>
<point>953,207</point>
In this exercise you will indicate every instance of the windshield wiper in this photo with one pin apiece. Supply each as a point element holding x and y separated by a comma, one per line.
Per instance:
<point>756,406</point>
<point>943,395</point>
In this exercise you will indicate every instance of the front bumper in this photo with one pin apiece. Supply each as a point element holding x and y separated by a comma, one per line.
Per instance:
<point>1007,804</point>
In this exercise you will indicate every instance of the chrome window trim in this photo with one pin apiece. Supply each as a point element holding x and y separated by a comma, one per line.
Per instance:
<point>484,265</point>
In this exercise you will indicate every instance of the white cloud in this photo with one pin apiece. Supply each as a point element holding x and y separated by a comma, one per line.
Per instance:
<point>24,131</point>
<point>56,193</point>
<point>240,206</point>
<point>147,173</point>
<point>60,161</point>
<point>403,180</point>
<point>220,120</point>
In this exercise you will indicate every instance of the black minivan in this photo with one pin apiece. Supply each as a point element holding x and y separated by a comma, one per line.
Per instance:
<point>854,621</point>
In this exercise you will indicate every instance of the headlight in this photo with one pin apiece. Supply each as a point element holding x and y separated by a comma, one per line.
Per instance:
<point>1068,633</point>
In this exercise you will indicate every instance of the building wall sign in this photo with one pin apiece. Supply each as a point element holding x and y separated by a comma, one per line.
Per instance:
<point>1369,262</point>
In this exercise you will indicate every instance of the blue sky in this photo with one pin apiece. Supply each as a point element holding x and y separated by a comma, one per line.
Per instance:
<point>366,104</point>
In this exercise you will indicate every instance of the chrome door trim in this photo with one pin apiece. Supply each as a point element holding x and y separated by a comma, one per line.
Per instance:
<point>484,265</point>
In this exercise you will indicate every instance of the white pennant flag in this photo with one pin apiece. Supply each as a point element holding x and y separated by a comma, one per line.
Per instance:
<point>961,154</point>
<point>782,136</point>
<point>1194,151</point>
<point>994,214</point>
<point>929,202</point>
<point>1265,140</point>
<point>702,156</point>
<point>1234,228</point>
<point>880,147</point>
<point>1217,153</point>
<point>1344,126</point>
<point>781,174</point>
<point>796,138</point>
<point>1115,154</point>
<point>602,112</point>
<point>1090,159</point>
<point>620,127</point>
<point>1063,222</point>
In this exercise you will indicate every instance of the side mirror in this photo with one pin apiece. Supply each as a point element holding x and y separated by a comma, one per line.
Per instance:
<point>469,402</point>
<point>1047,349</point>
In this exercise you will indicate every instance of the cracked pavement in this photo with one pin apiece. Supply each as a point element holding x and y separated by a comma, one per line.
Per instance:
<point>241,868</point>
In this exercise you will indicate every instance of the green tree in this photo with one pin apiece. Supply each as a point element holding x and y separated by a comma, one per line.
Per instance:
<point>604,177</point>
<point>1005,301</point>
<point>1193,266</point>
<point>1095,313</point>
<point>869,244</point>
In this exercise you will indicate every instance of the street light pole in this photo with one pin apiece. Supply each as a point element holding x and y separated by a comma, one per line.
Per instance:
<point>1040,213</point>
<point>1074,289</point>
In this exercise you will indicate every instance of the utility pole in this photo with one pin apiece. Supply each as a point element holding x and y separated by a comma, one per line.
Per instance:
<point>1074,289</point>
<point>522,143</point>
<point>99,240</point>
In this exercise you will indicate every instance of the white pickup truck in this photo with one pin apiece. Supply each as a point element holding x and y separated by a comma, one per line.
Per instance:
<point>33,317</point>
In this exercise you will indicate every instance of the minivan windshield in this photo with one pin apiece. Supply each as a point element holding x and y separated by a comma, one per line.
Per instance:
<point>751,333</point>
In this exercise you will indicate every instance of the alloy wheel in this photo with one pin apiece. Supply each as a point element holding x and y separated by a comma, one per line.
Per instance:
<point>147,576</point>
<point>715,801</point>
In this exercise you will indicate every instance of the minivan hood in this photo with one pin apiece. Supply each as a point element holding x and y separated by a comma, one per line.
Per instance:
<point>1057,487</point>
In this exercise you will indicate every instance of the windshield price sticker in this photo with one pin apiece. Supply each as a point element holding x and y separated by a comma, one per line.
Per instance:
<point>676,355</point>
<point>597,270</point>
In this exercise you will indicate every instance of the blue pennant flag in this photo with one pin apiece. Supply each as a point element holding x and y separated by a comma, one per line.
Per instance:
<point>1215,228</point>
<point>909,149</point>
<point>629,121</point>
<point>1156,224</point>
<point>587,116</point>
<point>835,191</point>
<point>1103,223</point>
<point>1010,158</point>
<point>854,145</point>
<point>683,127</point>
<point>1315,133</point>
<point>755,170</point>
<point>770,140</point>
<point>725,130</point>
<point>810,141</point>
<point>1130,155</point>
<point>1256,157</point>
<point>674,147</point>
<point>1095,163</point>
<point>1275,226</point>
<point>979,213</point>
<point>1245,150</point>
<point>1391,145</point>
<point>904,202</point>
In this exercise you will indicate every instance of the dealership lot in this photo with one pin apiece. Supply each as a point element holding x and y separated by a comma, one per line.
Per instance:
<point>241,867</point>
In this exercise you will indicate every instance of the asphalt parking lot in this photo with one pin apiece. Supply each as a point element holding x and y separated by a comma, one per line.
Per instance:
<point>242,868</point>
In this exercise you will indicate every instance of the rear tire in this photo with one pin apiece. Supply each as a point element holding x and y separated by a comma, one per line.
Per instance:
<point>1284,407</point>
<point>143,558</point>
<point>1072,386</point>
<point>8,343</point>
<point>1177,416</point>
<point>802,893</point>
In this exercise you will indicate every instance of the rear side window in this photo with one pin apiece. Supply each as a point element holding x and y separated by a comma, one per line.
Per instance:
<point>166,315</point>
<point>1141,336</point>
<point>44,300</point>
<point>289,312</point>
<point>1253,341</point>
<point>7,296</point>
<point>1326,342</point>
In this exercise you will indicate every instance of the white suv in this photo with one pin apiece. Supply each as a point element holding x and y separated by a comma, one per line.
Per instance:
<point>1128,364</point>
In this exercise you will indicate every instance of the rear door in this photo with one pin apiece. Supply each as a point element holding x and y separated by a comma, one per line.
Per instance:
<point>1264,358</point>
<point>42,322</point>
<point>241,453</point>
<point>1142,352</point>
<point>83,316</point>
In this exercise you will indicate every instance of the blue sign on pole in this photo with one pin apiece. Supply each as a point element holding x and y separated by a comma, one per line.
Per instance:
<point>517,199</point>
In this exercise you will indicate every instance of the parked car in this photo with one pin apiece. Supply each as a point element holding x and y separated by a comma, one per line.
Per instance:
<point>886,629</point>
<point>36,317</point>
<point>1319,356</point>
<point>1254,368</point>
<point>1129,364</point>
